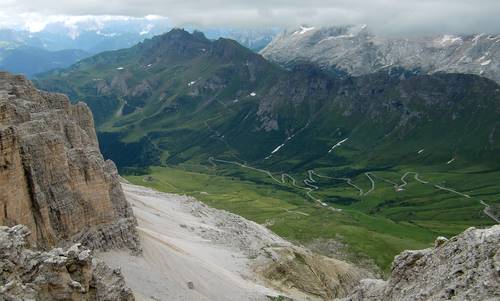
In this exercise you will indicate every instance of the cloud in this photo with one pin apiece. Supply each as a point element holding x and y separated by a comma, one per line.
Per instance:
<point>385,16</point>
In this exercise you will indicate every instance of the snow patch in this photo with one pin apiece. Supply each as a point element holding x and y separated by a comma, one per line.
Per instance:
<point>338,144</point>
<point>451,161</point>
<point>253,94</point>
<point>191,83</point>
<point>477,37</point>
<point>450,39</point>
<point>486,63</point>
<point>342,36</point>
<point>420,151</point>
<point>277,148</point>
<point>303,30</point>
<point>120,68</point>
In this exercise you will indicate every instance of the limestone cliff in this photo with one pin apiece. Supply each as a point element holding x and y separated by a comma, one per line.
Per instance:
<point>60,274</point>
<point>53,177</point>
<point>466,267</point>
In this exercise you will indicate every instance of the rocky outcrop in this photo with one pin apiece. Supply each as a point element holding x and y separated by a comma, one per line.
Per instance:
<point>466,267</point>
<point>315,275</point>
<point>60,274</point>
<point>357,51</point>
<point>53,179</point>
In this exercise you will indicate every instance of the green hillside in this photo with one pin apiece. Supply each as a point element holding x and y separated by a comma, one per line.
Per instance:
<point>382,162</point>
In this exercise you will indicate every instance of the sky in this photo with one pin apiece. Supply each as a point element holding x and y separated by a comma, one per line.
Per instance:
<point>392,17</point>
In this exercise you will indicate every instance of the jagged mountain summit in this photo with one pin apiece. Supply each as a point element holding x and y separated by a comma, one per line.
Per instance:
<point>357,51</point>
<point>53,178</point>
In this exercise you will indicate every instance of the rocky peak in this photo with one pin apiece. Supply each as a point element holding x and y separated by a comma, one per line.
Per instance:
<point>356,50</point>
<point>178,42</point>
<point>53,177</point>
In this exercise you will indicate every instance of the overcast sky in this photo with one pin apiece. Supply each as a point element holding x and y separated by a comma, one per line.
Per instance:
<point>383,16</point>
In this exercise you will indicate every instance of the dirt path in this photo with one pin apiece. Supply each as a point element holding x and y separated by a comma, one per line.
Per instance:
<point>347,180</point>
<point>372,181</point>
<point>487,211</point>
<point>308,189</point>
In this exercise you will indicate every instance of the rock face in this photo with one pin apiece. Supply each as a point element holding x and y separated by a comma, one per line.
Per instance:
<point>60,274</point>
<point>466,267</point>
<point>357,51</point>
<point>53,178</point>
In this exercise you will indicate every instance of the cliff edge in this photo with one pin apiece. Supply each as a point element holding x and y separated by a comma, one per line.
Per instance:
<point>53,178</point>
<point>465,267</point>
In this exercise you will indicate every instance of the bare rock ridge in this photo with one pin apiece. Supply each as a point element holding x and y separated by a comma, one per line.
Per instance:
<point>357,51</point>
<point>60,274</point>
<point>53,178</point>
<point>466,267</point>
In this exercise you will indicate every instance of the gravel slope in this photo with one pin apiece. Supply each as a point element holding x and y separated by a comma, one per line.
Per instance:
<point>187,244</point>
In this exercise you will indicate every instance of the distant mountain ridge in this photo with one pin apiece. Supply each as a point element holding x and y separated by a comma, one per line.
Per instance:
<point>180,73</point>
<point>60,45</point>
<point>31,60</point>
<point>357,51</point>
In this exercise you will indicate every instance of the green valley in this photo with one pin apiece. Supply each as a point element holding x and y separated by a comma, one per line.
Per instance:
<point>378,163</point>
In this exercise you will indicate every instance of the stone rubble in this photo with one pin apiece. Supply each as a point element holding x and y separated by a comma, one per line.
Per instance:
<point>59,274</point>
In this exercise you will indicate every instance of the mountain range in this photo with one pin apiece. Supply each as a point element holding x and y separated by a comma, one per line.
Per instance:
<point>357,51</point>
<point>190,107</point>
<point>32,60</point>
<point>61,44</point>
<point>186,76</point>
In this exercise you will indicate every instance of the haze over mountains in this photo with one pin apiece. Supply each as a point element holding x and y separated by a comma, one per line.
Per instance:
<point>38,47</point>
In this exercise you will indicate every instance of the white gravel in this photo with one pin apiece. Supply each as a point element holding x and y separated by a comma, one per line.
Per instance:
<point>187,244</point>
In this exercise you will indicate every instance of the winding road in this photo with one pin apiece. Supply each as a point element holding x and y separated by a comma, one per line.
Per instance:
<point>308,190</point>
<point>311,184</point>
<point>347,180</point>
<point>487,211</point>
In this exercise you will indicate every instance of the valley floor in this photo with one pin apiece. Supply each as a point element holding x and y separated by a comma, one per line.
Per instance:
<point>191,251</point>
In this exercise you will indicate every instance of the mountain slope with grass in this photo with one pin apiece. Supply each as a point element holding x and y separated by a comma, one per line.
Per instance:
<point>393,158</point>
